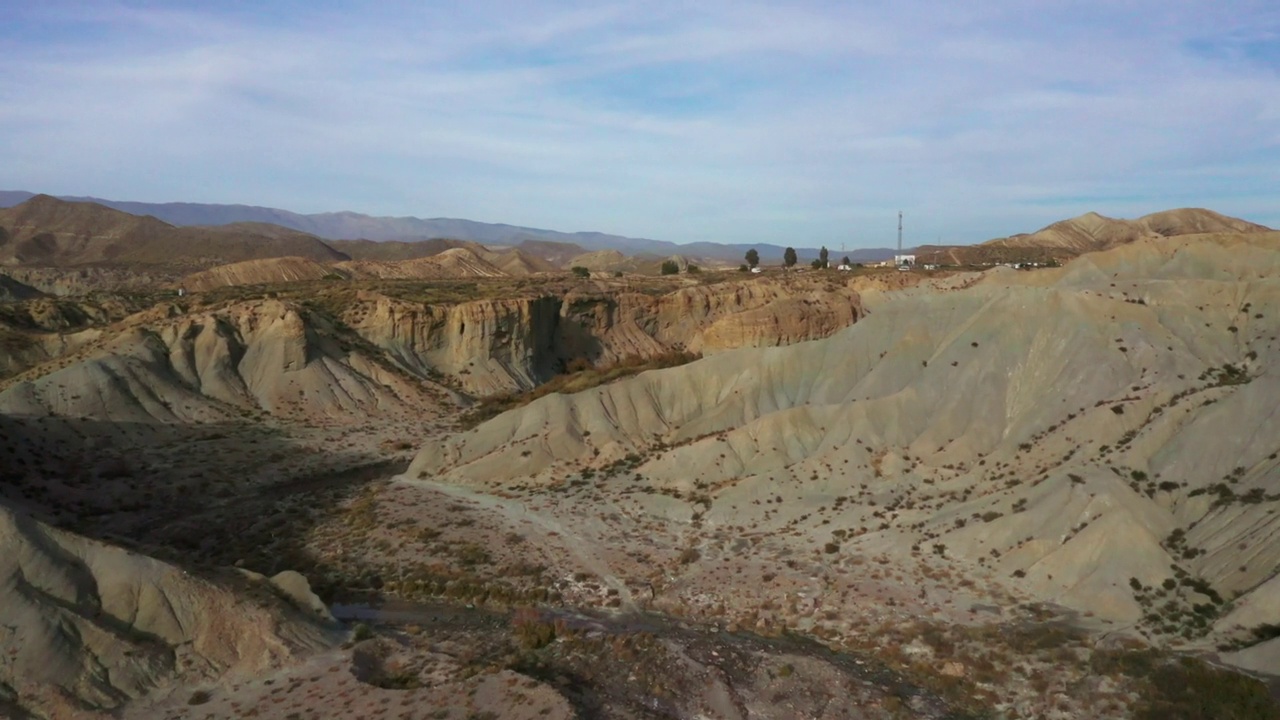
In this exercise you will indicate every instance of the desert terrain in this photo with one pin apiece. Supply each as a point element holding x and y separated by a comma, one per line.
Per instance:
<point>249,472</point>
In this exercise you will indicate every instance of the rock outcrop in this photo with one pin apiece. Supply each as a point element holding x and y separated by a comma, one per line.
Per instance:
<point>710,318</point>
<point>379,352</point>
<point>206,366</point>
<point>491,346</point>
<point>485,346</point>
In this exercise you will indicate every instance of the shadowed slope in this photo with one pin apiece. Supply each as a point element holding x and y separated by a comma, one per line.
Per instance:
<point>91,625</point>
<point>11,289</point>
<point>209,366</point>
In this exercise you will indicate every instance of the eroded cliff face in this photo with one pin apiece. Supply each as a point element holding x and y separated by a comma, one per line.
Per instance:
<point>485,347</point>
<point>706,318</point>
<point>170,361</point>
<point>493,346</point>
<point>174,366</point>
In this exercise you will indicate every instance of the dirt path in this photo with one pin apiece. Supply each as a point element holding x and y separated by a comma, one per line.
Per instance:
<point>554,532</point>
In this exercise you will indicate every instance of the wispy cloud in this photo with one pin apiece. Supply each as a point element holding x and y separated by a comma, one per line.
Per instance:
<point>812,123</point>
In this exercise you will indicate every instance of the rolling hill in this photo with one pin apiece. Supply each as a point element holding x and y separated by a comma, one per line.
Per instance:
<point>260,272</point>
<point>391,250</point>
<point>46,231</point>
<point>1087,233</point>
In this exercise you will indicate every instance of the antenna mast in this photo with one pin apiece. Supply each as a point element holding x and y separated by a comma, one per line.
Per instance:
<point>899,232</point>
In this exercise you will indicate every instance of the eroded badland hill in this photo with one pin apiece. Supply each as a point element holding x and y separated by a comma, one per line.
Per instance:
<point>1090,232</point>
<point>1044,493</point>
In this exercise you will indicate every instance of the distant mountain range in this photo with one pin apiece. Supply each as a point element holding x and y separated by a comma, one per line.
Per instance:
<point>356,226</point>
<point>52,232</point>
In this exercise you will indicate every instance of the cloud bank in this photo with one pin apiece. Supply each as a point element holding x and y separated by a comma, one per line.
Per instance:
<point>806,123</point>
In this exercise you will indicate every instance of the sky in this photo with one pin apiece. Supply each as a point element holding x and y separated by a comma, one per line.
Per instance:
<point>795,123</point>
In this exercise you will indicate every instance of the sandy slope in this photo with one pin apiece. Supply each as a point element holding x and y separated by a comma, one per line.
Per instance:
<point>1049,431</point>
<point>1087,233</point>
<point>258,272</point>
<point>84,623</point>
<point>162,365</point>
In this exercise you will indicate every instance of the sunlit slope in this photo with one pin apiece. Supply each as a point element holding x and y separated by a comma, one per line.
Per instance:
<point>1051,430</point>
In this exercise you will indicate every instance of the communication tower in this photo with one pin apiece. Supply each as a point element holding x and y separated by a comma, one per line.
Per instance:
<point>904,262</point>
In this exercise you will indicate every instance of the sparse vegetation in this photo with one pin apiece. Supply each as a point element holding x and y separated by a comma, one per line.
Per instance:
<point>582,377</point>
<point>711,508</point>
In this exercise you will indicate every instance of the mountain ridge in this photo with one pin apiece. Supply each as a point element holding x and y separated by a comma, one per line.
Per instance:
<point>45,230</point>
<point>348,225</point>
<point>355,234</point>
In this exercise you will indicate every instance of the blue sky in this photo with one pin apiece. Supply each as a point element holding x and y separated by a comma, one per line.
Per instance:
<point>798,123</point>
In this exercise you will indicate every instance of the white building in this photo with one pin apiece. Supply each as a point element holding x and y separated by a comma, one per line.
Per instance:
<point>904,260</point>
